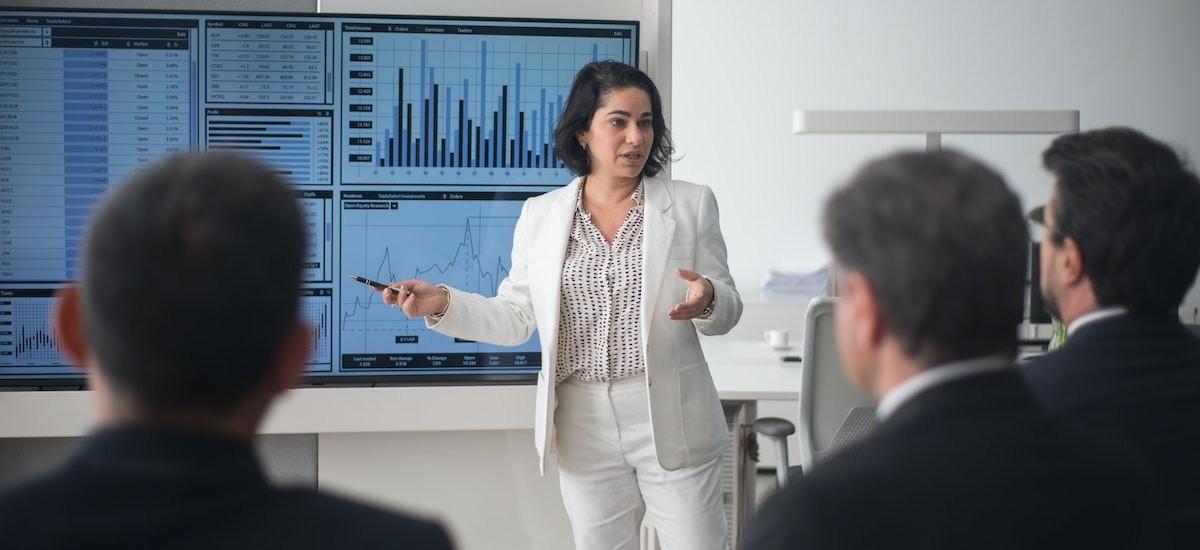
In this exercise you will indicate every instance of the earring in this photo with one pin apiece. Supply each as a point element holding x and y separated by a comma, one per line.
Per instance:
<point>583,145</point>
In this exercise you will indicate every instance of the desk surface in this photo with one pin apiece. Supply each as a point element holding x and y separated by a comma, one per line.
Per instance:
<point>741,370</point>
<point>749,370</point>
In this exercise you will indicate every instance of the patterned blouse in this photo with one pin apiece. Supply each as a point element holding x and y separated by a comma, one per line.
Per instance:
<point>599,337</point>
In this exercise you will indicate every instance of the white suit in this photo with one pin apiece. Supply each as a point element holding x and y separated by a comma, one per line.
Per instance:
<point>681,230</point>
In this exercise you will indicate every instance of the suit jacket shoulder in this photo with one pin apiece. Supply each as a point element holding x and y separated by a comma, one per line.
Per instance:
<point>1135,377</point>
<point>315,520</point>
<point>141,487</point>
<point>1116,360</point>
<point>969,464</point>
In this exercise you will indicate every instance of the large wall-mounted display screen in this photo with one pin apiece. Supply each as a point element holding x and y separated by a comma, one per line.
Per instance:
<point>411,142</point>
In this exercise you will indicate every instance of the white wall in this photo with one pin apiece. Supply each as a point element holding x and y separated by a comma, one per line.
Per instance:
<point>739,73</point>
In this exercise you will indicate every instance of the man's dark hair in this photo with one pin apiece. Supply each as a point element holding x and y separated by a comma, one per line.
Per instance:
<point>1133,207</point>
<point>191,279</point>
<point>587,92</point>
<point>942,243</point>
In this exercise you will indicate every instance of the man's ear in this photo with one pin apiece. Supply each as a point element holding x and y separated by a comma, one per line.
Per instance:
<point>863,306</point>
<point>1070,262</point>
<point>293,356</point>
<point>68,323</point>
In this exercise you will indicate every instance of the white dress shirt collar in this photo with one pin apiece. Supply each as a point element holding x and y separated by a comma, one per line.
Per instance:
<point>930,377</point>
<point>1093,316</point>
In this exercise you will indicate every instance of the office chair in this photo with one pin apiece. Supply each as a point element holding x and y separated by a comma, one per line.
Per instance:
<point>833,414</point>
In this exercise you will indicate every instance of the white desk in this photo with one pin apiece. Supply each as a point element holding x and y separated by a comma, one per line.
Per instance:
<point>745,372</point>
<point>749,370</point>
<point>742,371</point>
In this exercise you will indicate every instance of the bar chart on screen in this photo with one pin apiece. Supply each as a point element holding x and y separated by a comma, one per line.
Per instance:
<point>316,310</point>
<point>468,107</point>
<point>28,342</point>
<point>296,143</point>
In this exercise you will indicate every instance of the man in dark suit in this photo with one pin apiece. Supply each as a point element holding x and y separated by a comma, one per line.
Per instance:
<point>186,323</point>
<point>1121,248</point>
<point>928,251</point>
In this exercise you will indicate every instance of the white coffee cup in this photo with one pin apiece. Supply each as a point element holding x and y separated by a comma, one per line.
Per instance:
<point>776,338</point>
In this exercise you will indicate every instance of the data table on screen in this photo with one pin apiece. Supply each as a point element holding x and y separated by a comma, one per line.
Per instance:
<point>256,61</point>
<point>89,101</point>
<point>317,207</point>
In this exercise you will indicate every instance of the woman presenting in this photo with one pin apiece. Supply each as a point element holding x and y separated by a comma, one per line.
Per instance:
<point>617,272</point>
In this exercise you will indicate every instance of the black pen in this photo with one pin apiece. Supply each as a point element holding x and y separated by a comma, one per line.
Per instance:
<point>373,284</point>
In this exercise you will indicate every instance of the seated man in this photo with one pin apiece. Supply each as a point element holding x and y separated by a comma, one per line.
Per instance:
<point>1121,248</point>
<point>186,323</point>
<point>929,250</point>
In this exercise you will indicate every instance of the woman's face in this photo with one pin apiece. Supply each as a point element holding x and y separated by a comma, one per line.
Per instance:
<point>619,138</point>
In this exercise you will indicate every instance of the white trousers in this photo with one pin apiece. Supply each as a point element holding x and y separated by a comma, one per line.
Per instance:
<point>610,476</point>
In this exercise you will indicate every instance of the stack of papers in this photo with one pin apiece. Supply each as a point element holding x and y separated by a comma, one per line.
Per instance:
<point>796,286</point>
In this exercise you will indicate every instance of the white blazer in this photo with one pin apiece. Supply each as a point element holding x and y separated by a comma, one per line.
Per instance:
<point>680,230</point>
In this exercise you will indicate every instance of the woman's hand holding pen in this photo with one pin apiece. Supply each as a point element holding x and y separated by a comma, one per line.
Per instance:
<point>699,295</point>
<point>416,297</point>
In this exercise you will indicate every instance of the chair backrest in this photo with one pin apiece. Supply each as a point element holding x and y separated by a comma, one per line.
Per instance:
<point>859,423</point>
<point>827,398</point>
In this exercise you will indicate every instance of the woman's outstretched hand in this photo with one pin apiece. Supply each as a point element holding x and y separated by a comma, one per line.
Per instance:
<point>699,295</point>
